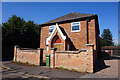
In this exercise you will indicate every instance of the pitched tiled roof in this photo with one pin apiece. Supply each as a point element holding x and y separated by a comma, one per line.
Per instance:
<point>70,16</point>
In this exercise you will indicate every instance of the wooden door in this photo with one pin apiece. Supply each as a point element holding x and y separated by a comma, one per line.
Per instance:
<point>58,46</point>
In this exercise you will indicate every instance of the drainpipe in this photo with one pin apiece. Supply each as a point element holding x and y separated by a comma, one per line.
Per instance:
<point>87,30</point>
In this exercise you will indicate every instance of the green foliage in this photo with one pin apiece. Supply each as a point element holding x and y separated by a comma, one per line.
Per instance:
<point>107,35</point>
<point>60,67</point>
<point>26,62</point>
<point>86,71</point>
<point>18,32</point>
<point>19,62</point>
<point>106,38</point>
<point>74,70</point>
<point>118,45</point>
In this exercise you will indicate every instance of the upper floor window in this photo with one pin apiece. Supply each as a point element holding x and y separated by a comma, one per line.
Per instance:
<point>51,28</point>
<point>75,26</point>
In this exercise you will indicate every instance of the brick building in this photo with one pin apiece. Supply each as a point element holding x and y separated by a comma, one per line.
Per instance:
<point>75,36</point>
<point>70,32</point>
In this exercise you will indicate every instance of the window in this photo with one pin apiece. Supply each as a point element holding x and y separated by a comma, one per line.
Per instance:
<point>75,27</point>
<point>51,28</point>
<point>68,47</point>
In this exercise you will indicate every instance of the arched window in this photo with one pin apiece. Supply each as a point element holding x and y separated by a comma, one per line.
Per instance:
<point>57,41</point>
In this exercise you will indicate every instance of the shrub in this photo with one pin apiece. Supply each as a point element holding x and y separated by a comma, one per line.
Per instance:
<point>60,67</point>
<point>26,62</point>
<point>74,70</point>
<point>86,71</point>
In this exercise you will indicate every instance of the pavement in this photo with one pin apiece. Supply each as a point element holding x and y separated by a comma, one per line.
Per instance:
<point>110,71</point>
<point>13,70</point>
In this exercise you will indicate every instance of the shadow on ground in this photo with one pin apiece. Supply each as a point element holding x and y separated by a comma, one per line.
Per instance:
<point>7,58</point>
<point>100,64</point>
<point>43,64</point>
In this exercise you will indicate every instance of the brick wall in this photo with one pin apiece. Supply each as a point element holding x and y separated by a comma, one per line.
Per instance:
<point>31,56</point>
<point>79,39</point>
<point>81,60</point>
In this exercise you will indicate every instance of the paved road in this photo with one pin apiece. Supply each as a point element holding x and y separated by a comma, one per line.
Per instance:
<point>8,74</point>
<point>110,72</point>
<point>43,71</point>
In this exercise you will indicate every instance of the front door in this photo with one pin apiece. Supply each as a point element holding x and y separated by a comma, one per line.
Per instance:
<point>58,46</point>
<point>57,43</point>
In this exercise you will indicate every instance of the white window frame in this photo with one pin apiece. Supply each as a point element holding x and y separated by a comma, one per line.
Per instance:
<point>50,27</point>
<point>75,25</point>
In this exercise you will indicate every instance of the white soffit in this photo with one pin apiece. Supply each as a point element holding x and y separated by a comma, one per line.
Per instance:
<point>59,30</point>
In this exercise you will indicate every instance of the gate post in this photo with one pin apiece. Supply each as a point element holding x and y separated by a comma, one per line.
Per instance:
<point>91,52</point>
<point>52,57</point>
<point>15,52</point>
<point>40,54</point>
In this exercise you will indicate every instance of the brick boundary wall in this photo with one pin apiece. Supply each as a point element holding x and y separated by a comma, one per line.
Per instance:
<point>81,60</point>
<point>27,55</point>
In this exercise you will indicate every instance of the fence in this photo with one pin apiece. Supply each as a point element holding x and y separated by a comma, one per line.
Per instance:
<point>112,51</point>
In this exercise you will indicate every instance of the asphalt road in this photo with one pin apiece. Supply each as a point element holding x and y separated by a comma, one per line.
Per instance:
<point>43,71</point>
<point>8,74</point>
<point>18,71</point>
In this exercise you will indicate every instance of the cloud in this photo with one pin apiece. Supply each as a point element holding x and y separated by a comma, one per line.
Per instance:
<point>115,41</point>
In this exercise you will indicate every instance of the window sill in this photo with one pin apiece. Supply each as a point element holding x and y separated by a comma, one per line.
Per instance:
<point>75,31</point>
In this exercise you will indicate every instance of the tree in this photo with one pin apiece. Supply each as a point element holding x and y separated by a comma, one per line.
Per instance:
<point>16,31</point>
<point>118,45</point>
<point>106,38</point>
<point>11,31</point>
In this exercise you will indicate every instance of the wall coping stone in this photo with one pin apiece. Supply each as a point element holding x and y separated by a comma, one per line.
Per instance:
<point>73,52</point>
<point>17,46</point>
<point>27,48</point>
<point>40,48</point>
<point>53,48</point>
<point>89,44</point>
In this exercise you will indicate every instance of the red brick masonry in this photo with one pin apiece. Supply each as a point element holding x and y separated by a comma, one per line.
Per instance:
<point>81,60</point>
<point>79,39</point>
<point>31,56</point>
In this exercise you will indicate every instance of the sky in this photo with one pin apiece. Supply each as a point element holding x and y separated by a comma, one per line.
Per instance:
<point>41,12</point>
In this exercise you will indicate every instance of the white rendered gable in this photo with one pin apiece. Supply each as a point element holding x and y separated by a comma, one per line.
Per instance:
<point>59,30</point>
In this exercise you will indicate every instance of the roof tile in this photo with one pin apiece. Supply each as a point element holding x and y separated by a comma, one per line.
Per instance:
<point>70,16</point>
